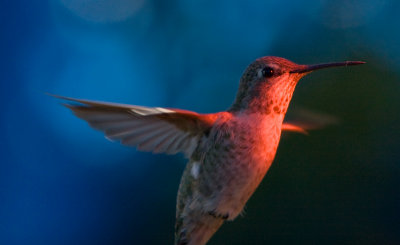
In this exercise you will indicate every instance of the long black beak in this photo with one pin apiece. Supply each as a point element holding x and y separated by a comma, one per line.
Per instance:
<point>309,68</point>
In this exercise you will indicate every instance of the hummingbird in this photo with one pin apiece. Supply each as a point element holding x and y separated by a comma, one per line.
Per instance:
<point>228,152</point>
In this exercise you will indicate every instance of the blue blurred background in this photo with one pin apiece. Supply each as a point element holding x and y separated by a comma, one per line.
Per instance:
<point>62,183</point>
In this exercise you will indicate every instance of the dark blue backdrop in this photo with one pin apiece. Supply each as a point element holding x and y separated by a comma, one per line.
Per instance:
<point>63,183</point>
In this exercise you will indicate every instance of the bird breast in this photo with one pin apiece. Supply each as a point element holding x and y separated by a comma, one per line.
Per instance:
<point>243,150</point>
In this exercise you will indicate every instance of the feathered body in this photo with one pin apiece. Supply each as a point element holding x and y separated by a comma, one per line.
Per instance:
<point>234,156</point>
<point>224,171</point>
<point>229,152</point>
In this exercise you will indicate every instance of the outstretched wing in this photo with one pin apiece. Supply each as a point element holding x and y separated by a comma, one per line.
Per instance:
<point>155,129</point>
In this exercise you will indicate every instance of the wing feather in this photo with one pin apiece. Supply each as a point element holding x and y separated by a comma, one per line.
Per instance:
<point>155,129</point>
<point>165,142</point>
<point>119,132</point>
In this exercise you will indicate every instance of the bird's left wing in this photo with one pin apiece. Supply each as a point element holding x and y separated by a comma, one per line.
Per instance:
<point>303,120</point>
<point>290,127</point>
<point>155,129</point>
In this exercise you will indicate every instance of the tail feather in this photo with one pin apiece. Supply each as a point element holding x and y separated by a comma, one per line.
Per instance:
<point>196,229</point>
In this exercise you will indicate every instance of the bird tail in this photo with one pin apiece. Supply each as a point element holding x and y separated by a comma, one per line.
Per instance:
<point>196,229</point>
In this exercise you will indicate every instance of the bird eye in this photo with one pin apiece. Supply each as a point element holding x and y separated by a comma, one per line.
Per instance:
<point>267,72</point>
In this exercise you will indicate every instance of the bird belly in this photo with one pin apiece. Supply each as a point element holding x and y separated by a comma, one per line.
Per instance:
<point>242,170</point>
<point>241,186</point>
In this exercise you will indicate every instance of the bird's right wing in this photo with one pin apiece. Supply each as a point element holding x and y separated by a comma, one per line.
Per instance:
<point>155,129</point>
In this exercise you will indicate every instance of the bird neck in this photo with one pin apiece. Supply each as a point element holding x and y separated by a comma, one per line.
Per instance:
<point>265,99</point>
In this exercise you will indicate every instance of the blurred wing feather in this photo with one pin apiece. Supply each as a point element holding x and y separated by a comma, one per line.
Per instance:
<point>293,128</point>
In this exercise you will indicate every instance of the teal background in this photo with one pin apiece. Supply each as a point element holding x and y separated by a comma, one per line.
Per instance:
<point>61,182</point>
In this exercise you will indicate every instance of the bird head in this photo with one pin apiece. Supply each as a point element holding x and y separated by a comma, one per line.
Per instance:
<point>267,85</point>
